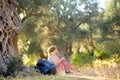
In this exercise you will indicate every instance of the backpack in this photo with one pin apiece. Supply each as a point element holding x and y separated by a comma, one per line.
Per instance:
<point>46,67</point>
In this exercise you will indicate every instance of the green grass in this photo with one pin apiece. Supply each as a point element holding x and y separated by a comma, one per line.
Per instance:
<point>46,77</point>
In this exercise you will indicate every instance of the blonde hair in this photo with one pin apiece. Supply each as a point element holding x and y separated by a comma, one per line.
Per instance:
<point>51,49</point>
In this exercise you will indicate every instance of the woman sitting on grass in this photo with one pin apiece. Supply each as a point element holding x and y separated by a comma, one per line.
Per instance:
<point>60,63</point>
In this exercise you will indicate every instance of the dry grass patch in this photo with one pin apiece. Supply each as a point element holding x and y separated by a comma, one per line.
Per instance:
<point>107,69</point>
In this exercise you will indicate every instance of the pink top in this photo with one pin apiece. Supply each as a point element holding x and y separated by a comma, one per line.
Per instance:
<point>53,58</point>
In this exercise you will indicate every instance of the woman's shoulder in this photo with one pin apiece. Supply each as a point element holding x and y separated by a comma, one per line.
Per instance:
<point>50,57</point>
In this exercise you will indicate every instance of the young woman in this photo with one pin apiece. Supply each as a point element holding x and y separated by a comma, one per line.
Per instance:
<point>60,63</point>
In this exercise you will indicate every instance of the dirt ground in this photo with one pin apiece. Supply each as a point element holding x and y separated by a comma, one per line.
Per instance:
<point>88,73</point>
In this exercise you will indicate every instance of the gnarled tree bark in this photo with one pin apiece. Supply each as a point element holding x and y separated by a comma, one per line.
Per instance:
<point>10,25</point>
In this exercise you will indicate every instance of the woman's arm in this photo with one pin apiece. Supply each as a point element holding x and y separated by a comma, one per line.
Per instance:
<point>58,62</point>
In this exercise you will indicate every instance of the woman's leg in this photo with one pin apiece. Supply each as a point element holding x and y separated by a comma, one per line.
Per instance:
<point>67,66</point>
<point>60,67</point>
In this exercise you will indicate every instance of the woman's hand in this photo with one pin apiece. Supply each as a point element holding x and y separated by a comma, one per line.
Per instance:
<point>63,58</point>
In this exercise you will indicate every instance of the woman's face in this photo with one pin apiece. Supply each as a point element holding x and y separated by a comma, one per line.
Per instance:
<point>55,51</point>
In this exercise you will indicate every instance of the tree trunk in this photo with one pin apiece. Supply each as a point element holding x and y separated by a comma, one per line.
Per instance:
<point>67,49</point>
<point>91,39</point>
<point>14,40</point>
<point>10,25</point>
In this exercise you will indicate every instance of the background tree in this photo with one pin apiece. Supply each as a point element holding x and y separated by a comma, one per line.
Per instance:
<point>59,23</point>
<point>73,25</point>
<point>32,35</point>
<point>107,27</point>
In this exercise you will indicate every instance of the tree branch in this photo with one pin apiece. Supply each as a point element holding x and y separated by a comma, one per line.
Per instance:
<point>34,14</point>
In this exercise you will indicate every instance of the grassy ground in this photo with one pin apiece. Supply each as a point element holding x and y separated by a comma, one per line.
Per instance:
<point>46,77</point>
<point>58,77</point>
<point>107,72</point>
